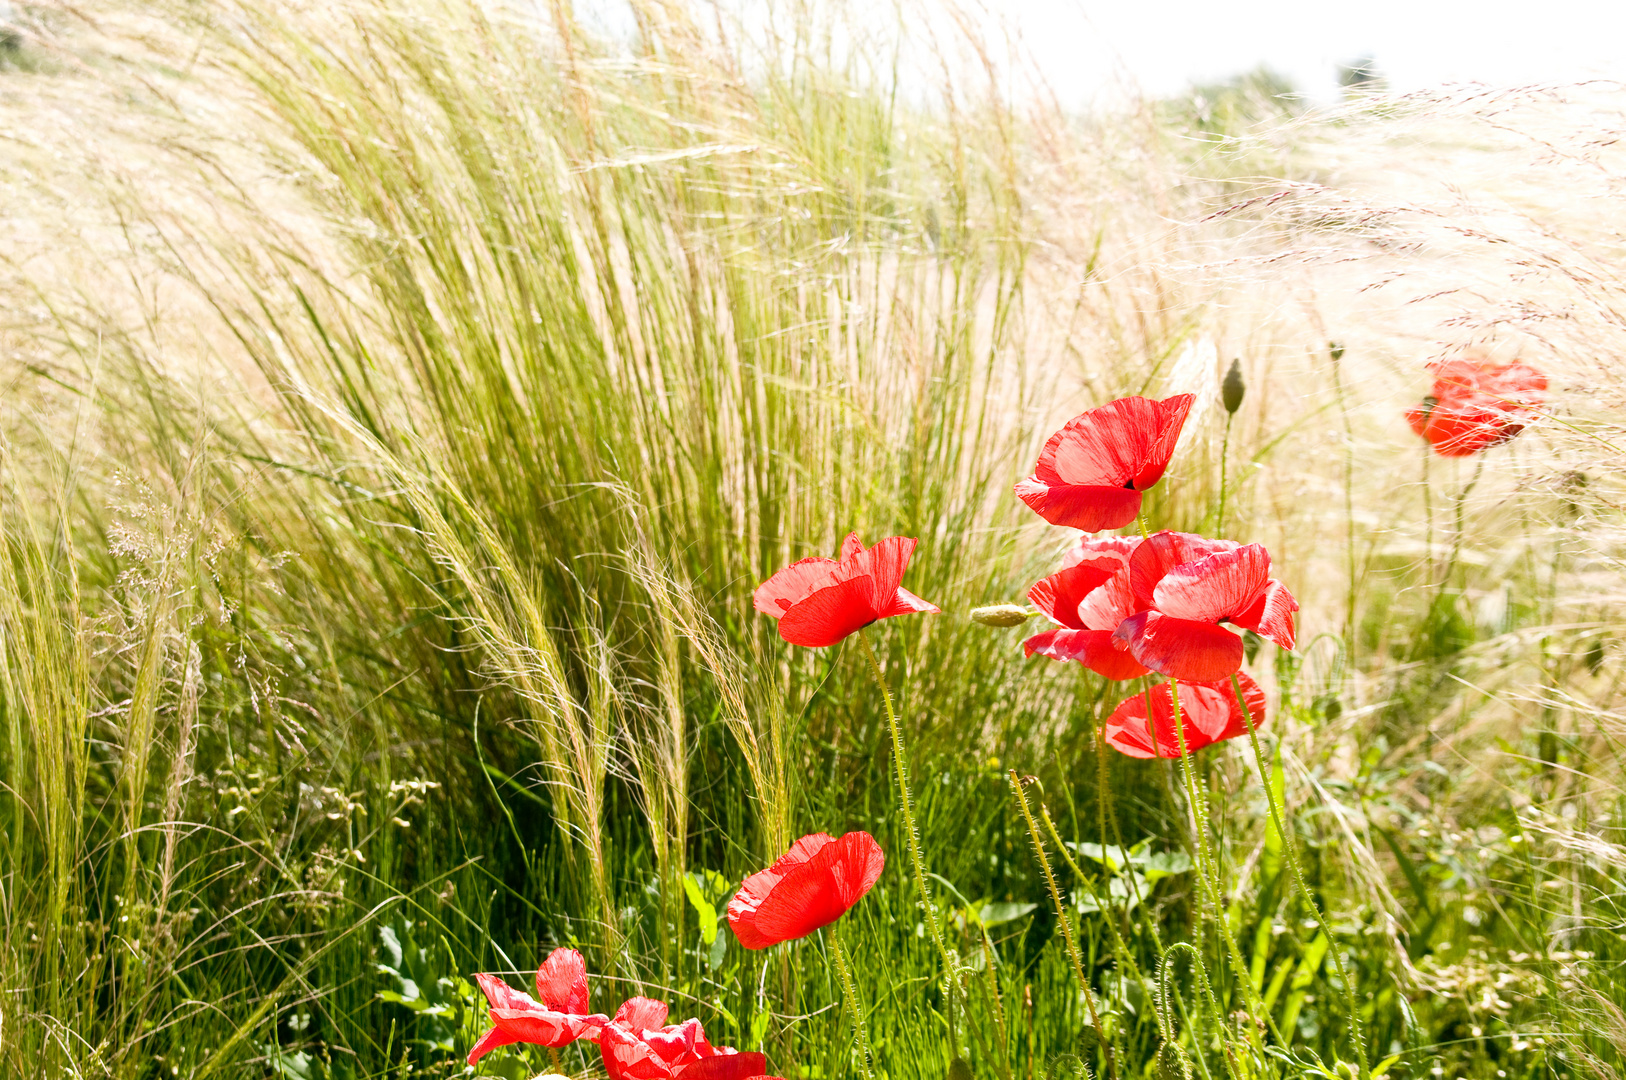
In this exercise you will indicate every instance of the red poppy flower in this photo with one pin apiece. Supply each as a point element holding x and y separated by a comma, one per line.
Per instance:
<point>811,885</point>
<point>819,602</point>
<point>1091,472</point>
<point>559,1018</point>
<point>1103,551</point>
<point>636,1046</point>
<point>1475,404</point>
<point>1208,714</point>
<point>1090,599</point>
<point>1184,587</point>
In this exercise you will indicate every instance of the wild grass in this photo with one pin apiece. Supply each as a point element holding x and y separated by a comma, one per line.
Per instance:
<point>403,400</point>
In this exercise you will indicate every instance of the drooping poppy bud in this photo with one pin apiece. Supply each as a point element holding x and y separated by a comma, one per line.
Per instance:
<point>1232,388</point>
<point>1001,615</point>
<point>810,886</point>
<point>819,602</point>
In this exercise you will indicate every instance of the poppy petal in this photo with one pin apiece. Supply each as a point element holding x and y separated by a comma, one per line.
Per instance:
<point>1214,587</point>
<point>490,1041</point>
<point>851,546</point>
<point>1060,644</point>
<point>905,602</point>
<point>1109,446</point>
<point>1181,648</point>
<point>499,995</point>
<point>1059,595</point>
<point>1108,606</point>
<point>640,1014</point>
<point>1172,413</point>
<point>1091,508</point>
<point>743,1066</point>
<point>1109,658</point>
<point>1271,615</point>
<point>1253,696</point>
<point>794,583</point>
<point>561,982</point>
<point>1162,552</point>
<point>809,894</point>
<point>830,614</point>
<point>742,909</point>
<point>542,1027</point>
<point>1102,550</point>
<point>1208,712</point>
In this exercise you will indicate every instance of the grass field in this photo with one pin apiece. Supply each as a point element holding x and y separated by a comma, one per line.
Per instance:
<point>403,399</point>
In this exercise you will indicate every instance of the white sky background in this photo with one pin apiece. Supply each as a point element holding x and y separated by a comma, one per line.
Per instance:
<point>1085,49</point>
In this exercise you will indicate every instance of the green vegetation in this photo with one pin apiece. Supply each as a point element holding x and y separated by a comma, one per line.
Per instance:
<point>402,401</point>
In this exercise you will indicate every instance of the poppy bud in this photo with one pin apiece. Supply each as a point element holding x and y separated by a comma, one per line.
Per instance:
<point>1231,390</point>
<point>1336,348</point>
<point>1001,615</point>
<point>959,1069</point>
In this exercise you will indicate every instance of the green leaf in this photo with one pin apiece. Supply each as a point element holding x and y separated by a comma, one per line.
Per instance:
<point>995,914</point>
<point>1381,1069</point>
<point>702,906</point>
<point>1165,864</point>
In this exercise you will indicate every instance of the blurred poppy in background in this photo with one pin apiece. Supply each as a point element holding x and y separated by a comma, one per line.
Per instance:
<point>1475,404</point>
<point>810,886</point>
<point>1091,473</point>
<point>1209,713</point>
<point>819,602</point>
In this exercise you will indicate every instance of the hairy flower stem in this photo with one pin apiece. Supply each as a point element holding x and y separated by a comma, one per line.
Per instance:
<point>1126,959</point>
<point>1225,453</point>
<point>1073,953</point>
<point>1298,879</point>
<point>849,992</point>
<point>910,830</point>
<point>1208,874</point>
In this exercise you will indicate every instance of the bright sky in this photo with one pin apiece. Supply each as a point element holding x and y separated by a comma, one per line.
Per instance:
<point>1167,44</point>
<point>1084,47</point>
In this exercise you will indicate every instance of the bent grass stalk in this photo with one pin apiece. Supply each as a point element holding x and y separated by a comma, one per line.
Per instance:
<point>1073,954</point>
<point>1291,849</point>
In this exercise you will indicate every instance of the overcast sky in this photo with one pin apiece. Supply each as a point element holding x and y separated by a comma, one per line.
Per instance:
<point>1082,48</point>
<point>1166,44</point>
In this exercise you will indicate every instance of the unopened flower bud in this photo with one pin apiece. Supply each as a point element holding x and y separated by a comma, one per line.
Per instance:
<point>1336,348</point>
<point>1001,615</point>
<point>1232,389</point>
